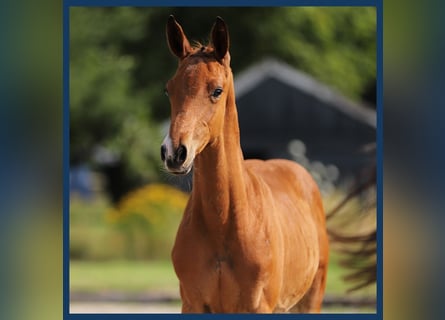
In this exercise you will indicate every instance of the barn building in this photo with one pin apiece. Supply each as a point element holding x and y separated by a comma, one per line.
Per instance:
<point>279,106</point>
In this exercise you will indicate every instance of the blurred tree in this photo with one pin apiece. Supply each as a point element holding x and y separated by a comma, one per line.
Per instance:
<point>109,119</point>
<point>120,62</point>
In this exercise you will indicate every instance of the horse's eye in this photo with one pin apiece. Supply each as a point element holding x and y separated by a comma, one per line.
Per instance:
<point>217,92</point>
<point>166,92</point>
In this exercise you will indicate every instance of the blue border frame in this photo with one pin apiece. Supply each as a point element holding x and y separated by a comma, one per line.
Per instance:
<point>378,4</point>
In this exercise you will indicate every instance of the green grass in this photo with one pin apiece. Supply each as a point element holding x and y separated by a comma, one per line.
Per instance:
<point>337,286</point>
<point>124,276</point>
<point>143,276</point>
<point>140,276</point>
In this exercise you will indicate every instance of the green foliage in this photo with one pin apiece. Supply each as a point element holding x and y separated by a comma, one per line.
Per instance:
<point>335,45</point>
<point>105,110</point>
<point>149,218</point>
<point>142,226</point>
<point>92,237</point>
<point>120,62</point>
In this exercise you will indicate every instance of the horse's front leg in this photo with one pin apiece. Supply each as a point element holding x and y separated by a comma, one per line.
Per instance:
<point>192,303</point>
<point>188,308</point>
<point>258,301</point>
<point>264,307</point>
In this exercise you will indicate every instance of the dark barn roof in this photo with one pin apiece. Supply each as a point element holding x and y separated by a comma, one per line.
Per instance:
<point>278,104</point>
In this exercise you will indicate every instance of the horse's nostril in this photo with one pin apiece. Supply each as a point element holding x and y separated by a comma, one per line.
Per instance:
<point>181,154</point>
<point>163,151</point>
<point>178,158</point>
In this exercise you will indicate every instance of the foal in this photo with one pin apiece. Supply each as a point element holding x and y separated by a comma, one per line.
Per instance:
<point>253,236</point>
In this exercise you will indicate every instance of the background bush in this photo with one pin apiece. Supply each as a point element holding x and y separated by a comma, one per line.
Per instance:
<point>149,218</point>
<point>142,226</point>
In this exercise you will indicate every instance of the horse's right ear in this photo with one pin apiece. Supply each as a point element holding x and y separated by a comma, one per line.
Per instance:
<point>176,38</point>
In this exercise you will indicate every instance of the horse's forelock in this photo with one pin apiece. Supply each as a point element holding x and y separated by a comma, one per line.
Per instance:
<point>199,48</point>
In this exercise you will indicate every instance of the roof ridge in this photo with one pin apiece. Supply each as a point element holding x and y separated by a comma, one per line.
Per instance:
<point>273,68</point>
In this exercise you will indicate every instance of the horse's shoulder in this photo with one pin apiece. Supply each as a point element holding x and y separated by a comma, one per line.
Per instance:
<point>283,177</point>
<point>277,168</point>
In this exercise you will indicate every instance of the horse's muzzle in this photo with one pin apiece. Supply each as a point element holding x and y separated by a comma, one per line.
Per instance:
<point>175,162</point>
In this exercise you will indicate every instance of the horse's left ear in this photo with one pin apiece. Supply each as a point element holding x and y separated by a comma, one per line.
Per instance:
<point>220,38</point>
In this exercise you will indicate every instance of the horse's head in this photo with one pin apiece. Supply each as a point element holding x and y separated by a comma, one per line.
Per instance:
<point>197,93</point>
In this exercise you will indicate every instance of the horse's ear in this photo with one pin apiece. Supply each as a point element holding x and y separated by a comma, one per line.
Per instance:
<point>220,38</point>
<point>176,38</point>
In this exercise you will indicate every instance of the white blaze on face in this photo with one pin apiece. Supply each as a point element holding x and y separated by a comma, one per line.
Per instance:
<point>169,146</point>
<point>189,145</point>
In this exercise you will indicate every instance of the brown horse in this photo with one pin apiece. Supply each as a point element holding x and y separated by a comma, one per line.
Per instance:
<point>253,236</point>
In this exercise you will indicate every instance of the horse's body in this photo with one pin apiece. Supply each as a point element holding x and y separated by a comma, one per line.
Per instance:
<point>253,235</point>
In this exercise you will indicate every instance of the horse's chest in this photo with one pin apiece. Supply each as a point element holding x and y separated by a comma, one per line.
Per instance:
<point>206,269</point>
<point>214,279</point>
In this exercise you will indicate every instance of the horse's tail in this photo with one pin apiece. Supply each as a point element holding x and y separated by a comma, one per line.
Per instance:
<point>359,249</point>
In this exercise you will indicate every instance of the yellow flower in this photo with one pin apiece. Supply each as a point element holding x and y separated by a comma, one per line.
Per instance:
<point>154,202</point>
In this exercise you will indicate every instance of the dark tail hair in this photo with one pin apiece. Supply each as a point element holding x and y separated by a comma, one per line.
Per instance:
<point>359,250</point>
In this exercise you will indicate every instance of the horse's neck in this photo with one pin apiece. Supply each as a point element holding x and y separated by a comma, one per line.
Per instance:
<point>219,191</point>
